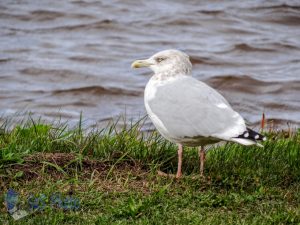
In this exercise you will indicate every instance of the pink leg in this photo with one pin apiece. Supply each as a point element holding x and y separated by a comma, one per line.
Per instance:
<point>202,159</point>
<point>180,150</point>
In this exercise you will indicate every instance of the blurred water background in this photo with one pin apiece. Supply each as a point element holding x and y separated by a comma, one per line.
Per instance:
<point>61,58</point>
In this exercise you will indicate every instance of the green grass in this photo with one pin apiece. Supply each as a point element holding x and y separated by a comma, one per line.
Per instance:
<point>113,173</point>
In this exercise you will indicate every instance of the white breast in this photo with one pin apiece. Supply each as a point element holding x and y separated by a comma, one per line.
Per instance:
<point>149,94</point>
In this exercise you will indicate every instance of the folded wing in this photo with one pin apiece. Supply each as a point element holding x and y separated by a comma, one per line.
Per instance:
<point>187,107</point>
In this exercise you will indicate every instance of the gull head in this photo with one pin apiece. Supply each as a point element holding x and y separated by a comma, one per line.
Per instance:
<point>171,62</point>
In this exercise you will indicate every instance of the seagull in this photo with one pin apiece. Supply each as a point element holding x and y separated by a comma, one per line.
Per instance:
<point>187,111</point>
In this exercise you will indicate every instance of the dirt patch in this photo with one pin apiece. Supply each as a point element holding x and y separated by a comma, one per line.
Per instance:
<point>105,175</point>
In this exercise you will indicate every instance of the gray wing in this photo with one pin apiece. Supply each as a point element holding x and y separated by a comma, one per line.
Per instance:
<point>189,108</point>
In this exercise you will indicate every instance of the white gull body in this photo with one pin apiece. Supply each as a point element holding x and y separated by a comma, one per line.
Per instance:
<point>187,111</point>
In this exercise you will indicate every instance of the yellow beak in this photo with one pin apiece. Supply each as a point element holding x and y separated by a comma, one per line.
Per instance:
<point>141,63</point>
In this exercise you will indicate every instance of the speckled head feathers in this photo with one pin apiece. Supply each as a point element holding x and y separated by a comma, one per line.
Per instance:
<point>167,63</point>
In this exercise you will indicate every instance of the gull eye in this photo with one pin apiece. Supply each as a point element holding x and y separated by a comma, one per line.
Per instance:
<point>159,59</point>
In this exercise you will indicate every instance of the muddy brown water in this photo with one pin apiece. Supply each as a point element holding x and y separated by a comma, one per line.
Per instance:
<point>61,58</point>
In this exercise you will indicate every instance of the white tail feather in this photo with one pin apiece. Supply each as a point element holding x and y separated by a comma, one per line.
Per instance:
<point>246,142</point>
<point>243,141</point>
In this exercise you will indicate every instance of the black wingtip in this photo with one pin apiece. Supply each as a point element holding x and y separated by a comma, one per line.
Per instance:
<point>252,135</point>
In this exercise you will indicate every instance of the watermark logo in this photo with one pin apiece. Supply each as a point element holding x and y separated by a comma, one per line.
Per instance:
<point>38,203</point>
